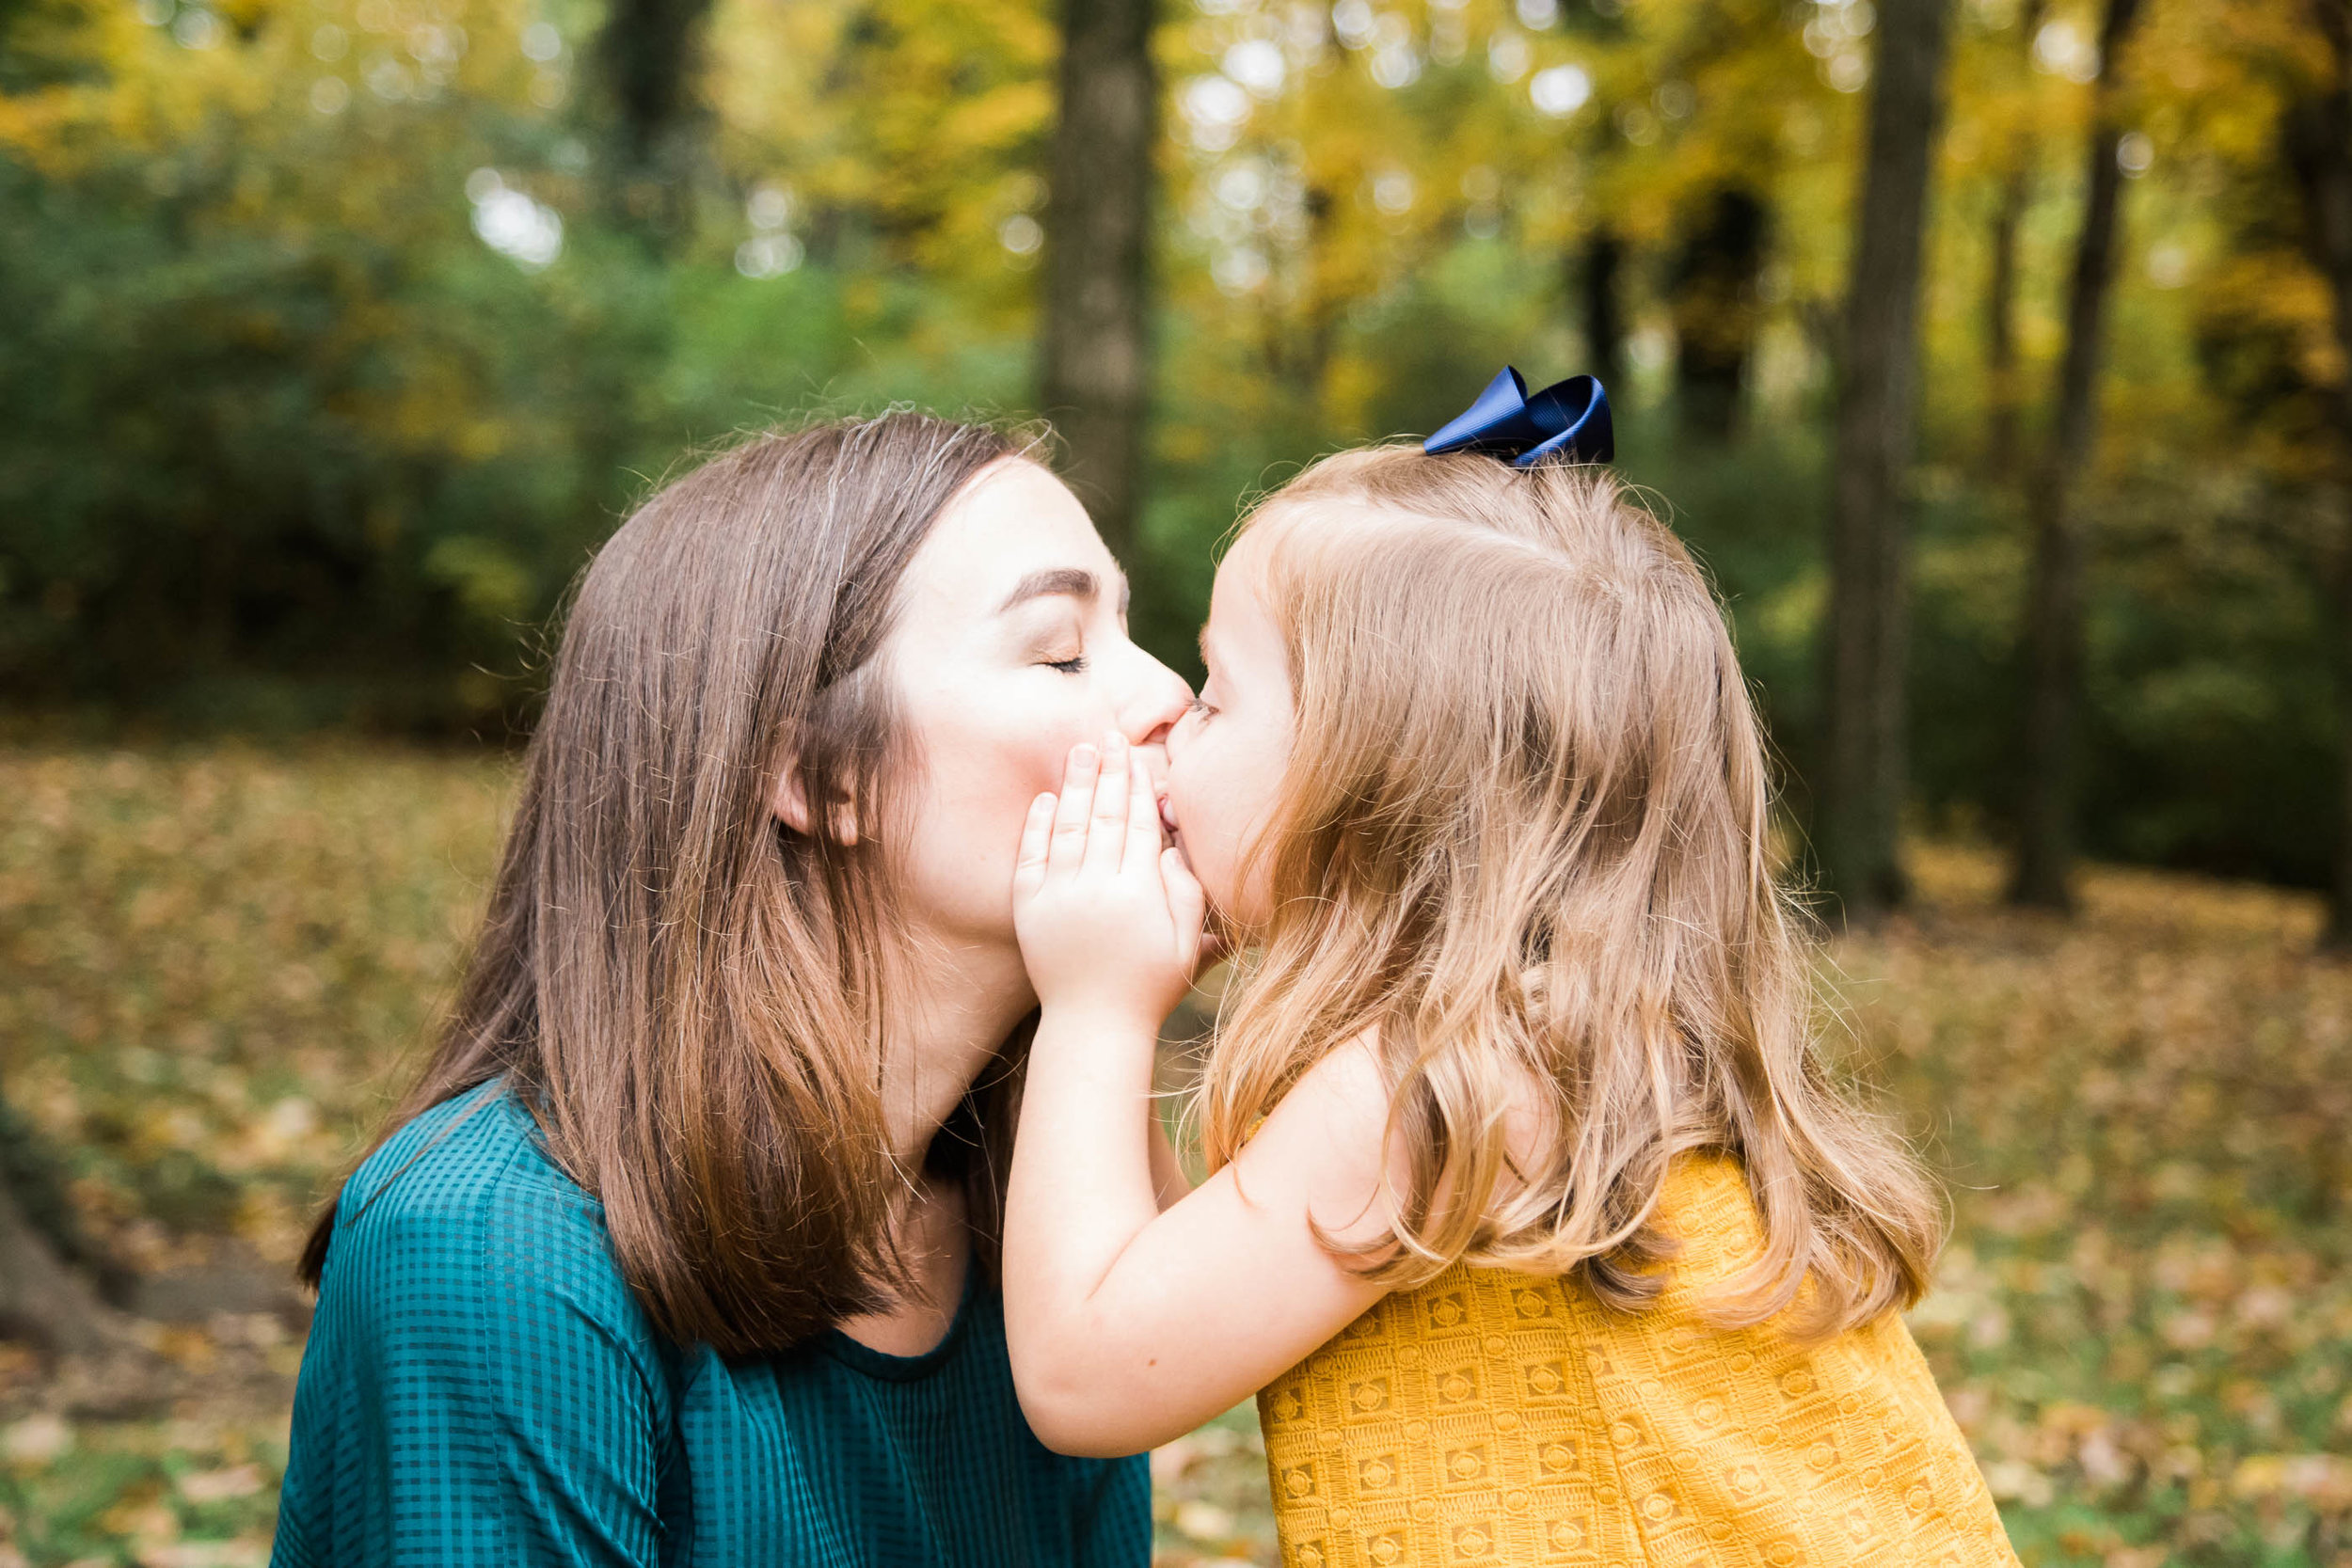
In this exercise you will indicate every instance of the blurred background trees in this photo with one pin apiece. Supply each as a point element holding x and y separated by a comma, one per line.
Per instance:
<point>1992,353</point>
<point>1095,350</point>
<point>1866,760</point>
<point>335,333</point>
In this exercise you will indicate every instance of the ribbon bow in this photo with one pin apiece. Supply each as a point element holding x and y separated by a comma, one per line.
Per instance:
<point>1568,421</point>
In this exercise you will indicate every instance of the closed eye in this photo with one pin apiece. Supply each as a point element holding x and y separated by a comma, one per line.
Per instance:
<point>1067,666</point>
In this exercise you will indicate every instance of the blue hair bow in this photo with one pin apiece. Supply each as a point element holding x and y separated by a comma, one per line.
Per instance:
<point>1567,422</point>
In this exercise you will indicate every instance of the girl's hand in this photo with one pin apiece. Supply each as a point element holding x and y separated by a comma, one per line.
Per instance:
<point>1107,913</point>
<point>1128,1322</point>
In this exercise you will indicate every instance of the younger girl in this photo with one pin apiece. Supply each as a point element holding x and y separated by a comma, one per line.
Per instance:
<point>1535,1221</point>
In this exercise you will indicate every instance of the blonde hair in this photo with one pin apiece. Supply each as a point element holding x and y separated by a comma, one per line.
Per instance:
<point>1523,836</point>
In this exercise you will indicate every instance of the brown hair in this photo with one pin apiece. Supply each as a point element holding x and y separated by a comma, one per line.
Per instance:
<point>685,993</point>
<point>1524,836</point>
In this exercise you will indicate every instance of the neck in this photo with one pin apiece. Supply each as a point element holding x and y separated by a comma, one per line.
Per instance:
<point>954,1001</point>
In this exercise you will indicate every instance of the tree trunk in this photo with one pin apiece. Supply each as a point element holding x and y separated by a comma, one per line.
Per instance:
<point>2053,627</point>
<point>1716,273</point>
<point>2337,938</point>
<point>54,1286</point>
<point>1863,773</point>
<point>1097,359</point>
<point>41,1298</point>
<point>2000,295</point>
<point>646,55</point>
<point>1596,281</point>
<point>2319,145</point>
<point>2000,329</point>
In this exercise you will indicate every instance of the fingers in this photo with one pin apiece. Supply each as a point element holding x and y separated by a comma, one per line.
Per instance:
<point>1106,825</point>
<point>1078,781</point>
<point>1144,836</point>
<point>1037,839</point>
<point>1104,822</point>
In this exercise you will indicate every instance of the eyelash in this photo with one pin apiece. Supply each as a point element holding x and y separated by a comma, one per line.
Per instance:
<point>1197,706</point>
<point>1067,666</point>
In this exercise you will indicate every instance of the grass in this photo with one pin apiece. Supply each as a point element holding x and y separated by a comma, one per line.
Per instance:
<point>216,962</point>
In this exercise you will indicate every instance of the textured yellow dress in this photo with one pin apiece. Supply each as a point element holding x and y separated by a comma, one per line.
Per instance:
<point>1492,1418</point>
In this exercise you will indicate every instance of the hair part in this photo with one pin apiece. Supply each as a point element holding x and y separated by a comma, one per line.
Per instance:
<point>1524,840</point>
<point>685,993</point>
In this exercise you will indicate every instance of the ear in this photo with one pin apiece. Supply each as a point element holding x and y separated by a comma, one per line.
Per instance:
<point>791,804</point>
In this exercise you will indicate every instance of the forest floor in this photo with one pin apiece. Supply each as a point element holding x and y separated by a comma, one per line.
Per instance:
<point>215,963</point>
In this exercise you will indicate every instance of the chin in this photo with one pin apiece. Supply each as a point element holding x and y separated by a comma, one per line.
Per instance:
<point>1219,910</point>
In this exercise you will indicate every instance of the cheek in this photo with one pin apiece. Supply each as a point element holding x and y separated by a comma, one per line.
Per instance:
<point>988,747</point>
<point>958,832</point>
<point>1222,788</point>
<point>1033,743</point>
<point>977,763</point>
<point>1202,803</point>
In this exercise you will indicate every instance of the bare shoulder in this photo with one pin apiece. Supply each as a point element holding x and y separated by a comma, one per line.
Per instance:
<point>1331,1137</point>
<point>1327,1142</point>
<point>1343,1099</point>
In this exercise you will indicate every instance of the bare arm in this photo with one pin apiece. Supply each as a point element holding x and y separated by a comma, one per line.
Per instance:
<point>1129,1326</point>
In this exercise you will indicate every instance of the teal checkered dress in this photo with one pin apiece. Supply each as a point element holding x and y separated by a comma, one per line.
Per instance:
<point>482,1388</point>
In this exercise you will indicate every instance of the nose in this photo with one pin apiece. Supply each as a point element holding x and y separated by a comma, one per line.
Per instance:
<point>1156,699</point>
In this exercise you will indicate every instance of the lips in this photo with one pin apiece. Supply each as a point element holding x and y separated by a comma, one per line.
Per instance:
<point>1168,814</point>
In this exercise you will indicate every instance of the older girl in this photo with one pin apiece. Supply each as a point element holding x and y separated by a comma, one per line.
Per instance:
<point>681,1249</point>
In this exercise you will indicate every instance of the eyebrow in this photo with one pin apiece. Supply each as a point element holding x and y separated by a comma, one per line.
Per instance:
<point>1075,581</point>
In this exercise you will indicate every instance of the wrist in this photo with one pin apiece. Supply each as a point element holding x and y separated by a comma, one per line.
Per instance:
<point>1099,1016</point>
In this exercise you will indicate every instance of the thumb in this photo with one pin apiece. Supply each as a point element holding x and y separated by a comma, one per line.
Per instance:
<point>1187,906</point>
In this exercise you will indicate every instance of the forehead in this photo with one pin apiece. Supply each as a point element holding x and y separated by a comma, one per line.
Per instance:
<point>1269,552</point>
<point>1299,540</point>
<point>1241,628</point>
<point>1011,519</point>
